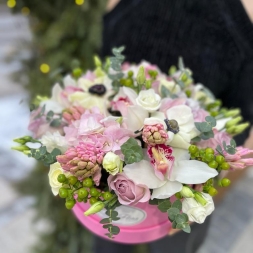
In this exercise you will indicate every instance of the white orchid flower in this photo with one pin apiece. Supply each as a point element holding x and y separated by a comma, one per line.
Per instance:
<point>184,171</point>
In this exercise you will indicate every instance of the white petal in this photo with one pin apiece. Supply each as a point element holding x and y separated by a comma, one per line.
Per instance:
<point>167,190</point>
<point>220,124</point>
<point>131,94</point>
<point>192,172</point>
<point>135,117</point>
<point>180,140</point>
<point>143,173</point>
<point>180,154</point>
<point>181,113</point>
<point>69,81</point>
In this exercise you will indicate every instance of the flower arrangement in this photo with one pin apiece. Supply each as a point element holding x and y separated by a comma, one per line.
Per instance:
<point>124,134</point>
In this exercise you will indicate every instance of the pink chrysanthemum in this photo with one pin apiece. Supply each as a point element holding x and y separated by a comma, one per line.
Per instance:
<point>83,161</point>
<point>154,134</point>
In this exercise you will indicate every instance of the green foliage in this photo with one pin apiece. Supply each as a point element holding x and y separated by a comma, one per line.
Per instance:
<point>41,154</point>
<point>206,128</point>
<point>65,36</point>
<point>132,151</point>
<point>164,205</point>
<point>112,216</point>
<point>230,149</point>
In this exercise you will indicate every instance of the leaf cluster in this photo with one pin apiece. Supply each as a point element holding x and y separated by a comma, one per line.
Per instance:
<point>206,128</point>
<point>41,154</point>
<point>179,220</point>
<point>230,149</point>
<point>112,229</point>
<point>132,151</point>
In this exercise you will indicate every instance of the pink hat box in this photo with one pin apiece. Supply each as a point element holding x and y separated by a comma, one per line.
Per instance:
<point>140,223</point>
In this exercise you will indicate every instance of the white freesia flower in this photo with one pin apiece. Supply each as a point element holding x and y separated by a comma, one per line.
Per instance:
<point>112,163</point>
<point>54,172</point>
<point>195,211</point>
<point>184,171</point>
<point>54,140</point>
<point>149,100</point>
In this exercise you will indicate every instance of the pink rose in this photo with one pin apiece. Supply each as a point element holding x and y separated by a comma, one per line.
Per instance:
<point>127,191</point>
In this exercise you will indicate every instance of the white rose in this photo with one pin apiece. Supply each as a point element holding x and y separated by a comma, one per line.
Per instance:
<point>195,211</point>
<point>54,172</point>
<point>112,163</point>
<point>149,100</point>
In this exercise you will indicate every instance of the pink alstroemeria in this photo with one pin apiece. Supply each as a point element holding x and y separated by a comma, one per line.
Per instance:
<point>162,160</point>
<point>237,161</point>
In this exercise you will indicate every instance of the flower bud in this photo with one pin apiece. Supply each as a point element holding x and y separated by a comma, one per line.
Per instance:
<point>231,130</point>
<point>112,163</point>
<point>187,192</point>
<point>23,140</point>
<point>97,61</point>
<point>95,208</point>
<point>232,113</point>
<point>21,148</point>
<point>233,121</point>
<point>141,76</point>
<point>199,198</point>
<point>240,128</point>
<point>148,84</point>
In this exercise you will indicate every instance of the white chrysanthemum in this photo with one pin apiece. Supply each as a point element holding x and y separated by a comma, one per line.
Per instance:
<point>54,140</point>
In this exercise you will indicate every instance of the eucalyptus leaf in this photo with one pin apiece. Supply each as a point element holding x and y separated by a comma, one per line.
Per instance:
<point>105,220</point>
<point>153,201</point>
<point>187,228</point>
<point>181,218</point>
<point>164,205</point>
<point>177,204</point>
<point>172,212</point>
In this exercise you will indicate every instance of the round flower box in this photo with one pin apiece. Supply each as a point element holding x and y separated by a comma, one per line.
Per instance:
<point>138,224</point>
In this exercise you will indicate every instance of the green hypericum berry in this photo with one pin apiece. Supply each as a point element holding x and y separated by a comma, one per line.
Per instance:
<point>209,157</point>
<point>213,164</point>
<point>94,192</point>
<point>130,73</point>
<point>61,178</point>
<point>107,195</point>
<point>128,82</point>
<point>93,200</point>
<point>225,182</point>
<point>220,159</point>
<point>70,203</point>
<point>63,193</point>
<point>87,182</point>
<point>209,151</point>
<point>188,93</point>
<point>79,200</point>
<point>212,191</point>
<point>77,72</point>
<point>82,193</point>
<point>72,180</point>
<point>225,166</point>
<point>193,149</point>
